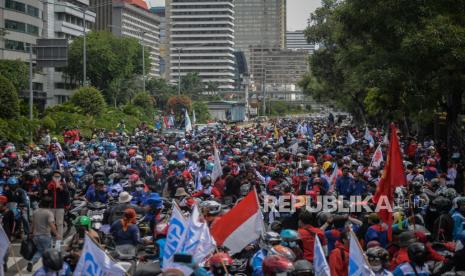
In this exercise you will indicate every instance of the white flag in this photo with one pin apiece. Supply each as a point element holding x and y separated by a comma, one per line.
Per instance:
<point>386,139</point>
<point>4,245</point>
<point>175,237</point>
<point>217,170</point>
<point>194,120</point>
<point>333,176</point>
<point>199,243</point>
<point>188,122</point>
<point>369,138</point>
<point>94,261</point>
<point>350,138</point>
<point>377,157</point>
<point>358,265</point>
<point>320,265</point>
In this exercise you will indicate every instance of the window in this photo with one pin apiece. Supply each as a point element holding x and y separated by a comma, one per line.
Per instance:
<point>33,11</point>
<point>31,29</point>
<point>17,6</point>
<point>14,45</point>
<point>15,26</point>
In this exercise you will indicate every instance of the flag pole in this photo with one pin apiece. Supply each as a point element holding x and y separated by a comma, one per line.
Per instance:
<point>222,263</point>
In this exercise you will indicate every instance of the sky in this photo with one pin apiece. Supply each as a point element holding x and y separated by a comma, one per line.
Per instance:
<point>298,11</point>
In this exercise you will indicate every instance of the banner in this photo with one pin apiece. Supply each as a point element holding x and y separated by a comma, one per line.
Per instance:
<point>4,245</point>
<point>175,237</point>
<point>320,265</point>
<point>94,261</point>
<point>199,243</point>
<point>188,123</point>
<point>217,169</point>
<point>358,264</point>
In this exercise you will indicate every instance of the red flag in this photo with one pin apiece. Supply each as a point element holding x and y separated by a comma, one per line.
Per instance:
<point>240,226</point>
<point>393,176</point>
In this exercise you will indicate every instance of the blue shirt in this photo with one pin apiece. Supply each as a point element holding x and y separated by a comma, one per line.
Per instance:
<point>459,220</point>
<point>121,237</point>
<point>406,269</point>
<point>65,271</point>
<point>345,186</point>
<point>93,196</point>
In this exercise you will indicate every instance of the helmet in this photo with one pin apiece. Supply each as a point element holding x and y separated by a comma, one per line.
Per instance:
<point>276,264</point>
<point>271,238</point>
<point>83,221</point>
<point>377,254</point>
<point>303,267</point>
<point>220,259</point>
<point>52,260</point>
<point>206,180</point>
<point>113,154</point>
<point>213,208</point>
<point>12,181</point>
<point>154,200</point>
<point>209,166</point>
<point>405,239</point>
<point>417,253</point>
<point>133,178</point>
<point>283,251</point>
<point>289,235</point>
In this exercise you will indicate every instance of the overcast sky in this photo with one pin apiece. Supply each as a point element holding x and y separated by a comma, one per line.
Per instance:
<point>298,11</point>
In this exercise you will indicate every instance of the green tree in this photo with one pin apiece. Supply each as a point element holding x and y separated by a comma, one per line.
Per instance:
<point>144,100</point>
<point>178,104</point>
<point>108,58</point>
<point>9,103</point>
<point>161,90</point>
<point>191,85</point>
<point>202,115</point>
<point>16,72</point>
<point>212,87</point>
<point>89,100</point>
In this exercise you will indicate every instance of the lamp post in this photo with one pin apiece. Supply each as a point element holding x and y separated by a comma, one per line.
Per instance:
<point>179,49</point>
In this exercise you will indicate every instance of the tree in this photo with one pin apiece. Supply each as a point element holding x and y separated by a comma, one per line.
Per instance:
<point>108,58</point>
<point>161,90</point>
<point>191,85</point>
<point>202,115</point>
<point>16,72</point>
<point>178,104</point>
<point>9,103</point>
<point>144,100</point>
<point>89,100</point>
<point>212,87</point>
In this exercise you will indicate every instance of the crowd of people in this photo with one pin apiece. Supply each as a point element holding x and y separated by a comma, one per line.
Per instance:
<point>136,176</point>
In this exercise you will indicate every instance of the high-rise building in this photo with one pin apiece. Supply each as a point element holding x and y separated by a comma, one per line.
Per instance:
<point>274,66</point>
<point>297,40</point>
<point>64,19</point>
<point>21,23</point>
<point>259,22</point>
<point>132,18</point>
<point>201,35</point>
<point>164,43</point>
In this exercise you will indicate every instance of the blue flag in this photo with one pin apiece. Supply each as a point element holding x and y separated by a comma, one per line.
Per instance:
<point>358,264</point>
<point>320,265</point>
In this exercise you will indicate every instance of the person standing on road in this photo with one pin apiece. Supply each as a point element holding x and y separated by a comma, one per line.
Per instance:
<point>43,223</point>
<point>59,194</point>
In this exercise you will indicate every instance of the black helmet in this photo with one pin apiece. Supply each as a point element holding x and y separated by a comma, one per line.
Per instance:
<point>378,253</point>
<point>52,260</point>
<point>206,180</point>
<point>417,253</point>
<point>303,267</point>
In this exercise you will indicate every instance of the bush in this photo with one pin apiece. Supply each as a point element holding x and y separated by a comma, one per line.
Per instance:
<point>201,112</point>
<point>9,102</point>
<point>144,100</point>
<point>18,130</point>
<point>48,123</point>
<point>89,100</point>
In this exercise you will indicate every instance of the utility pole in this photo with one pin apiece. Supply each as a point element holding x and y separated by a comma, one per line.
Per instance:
<point>143,58</point>
<point>31,92</point>
<point>84,50</point>
<point>179,71</point>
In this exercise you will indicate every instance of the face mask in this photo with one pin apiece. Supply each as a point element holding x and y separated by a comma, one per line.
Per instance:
<point>57,178</point>
<point>140,189</point>
<point>377,268</point>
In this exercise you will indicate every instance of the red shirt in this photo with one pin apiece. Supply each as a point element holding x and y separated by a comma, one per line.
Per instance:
<point>307,235</point>
<point>338,260</point>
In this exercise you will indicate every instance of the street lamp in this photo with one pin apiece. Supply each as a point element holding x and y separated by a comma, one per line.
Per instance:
<point>84,33</point>
<point>142,40</point>
<point>179,49</point>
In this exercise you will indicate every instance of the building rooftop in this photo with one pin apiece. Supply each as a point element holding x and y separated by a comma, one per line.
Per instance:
<point>138,3</point>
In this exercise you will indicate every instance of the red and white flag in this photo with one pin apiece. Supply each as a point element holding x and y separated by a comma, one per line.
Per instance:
<point>240,226</point>
<point>377,157</point>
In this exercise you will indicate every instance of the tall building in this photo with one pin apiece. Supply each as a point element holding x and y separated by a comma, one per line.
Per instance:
<point>297,40</point>
<point>201,35</point>
<point>64,19</point>
<point>22,24</point>
<point>164,43</point>
<point>274,66</point>
<point>132,18</point>
<point>259,22</point>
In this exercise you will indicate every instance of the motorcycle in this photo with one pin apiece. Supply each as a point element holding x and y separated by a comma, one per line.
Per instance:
<point>96,213</point>
<point>76,210</point>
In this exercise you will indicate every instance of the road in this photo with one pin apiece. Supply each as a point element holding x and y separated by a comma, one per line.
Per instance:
<point>19,263</point>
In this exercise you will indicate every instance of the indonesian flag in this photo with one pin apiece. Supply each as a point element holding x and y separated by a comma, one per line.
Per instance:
<point>377,157</point>
<point>393,176</point>
<point>240,226</point>
<point>166,123</point>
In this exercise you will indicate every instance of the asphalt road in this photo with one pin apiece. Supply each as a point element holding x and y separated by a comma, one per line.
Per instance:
<point>17,264</point>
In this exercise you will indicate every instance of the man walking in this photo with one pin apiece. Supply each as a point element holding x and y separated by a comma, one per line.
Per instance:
<point>43,223</point>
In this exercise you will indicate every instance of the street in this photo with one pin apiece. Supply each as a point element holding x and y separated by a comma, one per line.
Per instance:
<point>16,262</point>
